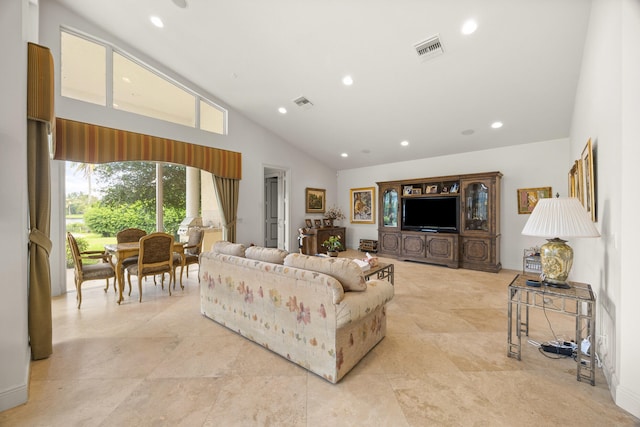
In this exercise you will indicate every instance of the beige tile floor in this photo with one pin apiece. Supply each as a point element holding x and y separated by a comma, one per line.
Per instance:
<point>443,362</point>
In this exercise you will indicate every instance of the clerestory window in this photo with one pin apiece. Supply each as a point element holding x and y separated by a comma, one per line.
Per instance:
<point>126,84</point>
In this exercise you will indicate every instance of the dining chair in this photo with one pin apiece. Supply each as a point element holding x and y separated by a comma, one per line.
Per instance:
<point>129,235</point>
<point>85,272</point>
<point>155,257</point>
<point>191,251</point>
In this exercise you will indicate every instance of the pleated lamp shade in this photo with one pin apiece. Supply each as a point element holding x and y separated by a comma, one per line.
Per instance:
<point>554,219</point>
<point>560,217</point>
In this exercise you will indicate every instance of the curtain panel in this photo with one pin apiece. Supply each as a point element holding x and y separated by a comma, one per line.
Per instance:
<point>89,143</point>
<point>39,117</point>
<point>227,192</point>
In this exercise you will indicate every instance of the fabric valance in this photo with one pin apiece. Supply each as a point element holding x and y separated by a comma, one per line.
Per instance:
<point>40,84</point>
<point>89,143</point>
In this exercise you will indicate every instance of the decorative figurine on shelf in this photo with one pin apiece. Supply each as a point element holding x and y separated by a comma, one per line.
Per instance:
<point>333,245</point>
<point>332,214</point>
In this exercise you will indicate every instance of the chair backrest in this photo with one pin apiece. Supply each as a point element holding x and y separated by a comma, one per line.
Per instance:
<point>130,235</point>
<point>156,249</point>
<point>75,252</point>
<point>196,235</point>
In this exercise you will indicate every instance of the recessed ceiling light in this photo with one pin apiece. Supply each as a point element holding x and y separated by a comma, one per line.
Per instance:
<point>469,27</point>
<point>496,125</point>
<point>468,132</point>
<point>347,80</point>
<point>344,155</point>
<point>126,79</point>
<point>282,110</point>
<point>404,143</point>
<point>156,21</point>
<point>180,3</point>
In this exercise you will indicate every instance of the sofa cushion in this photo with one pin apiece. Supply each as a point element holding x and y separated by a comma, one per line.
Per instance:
<point>228,248</point>
<point>347,272</point>
<point>272,255</point>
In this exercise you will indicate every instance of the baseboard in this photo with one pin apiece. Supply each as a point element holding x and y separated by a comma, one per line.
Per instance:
<point>14,397</point>
<point>20,394</point>
<point>628,400</point>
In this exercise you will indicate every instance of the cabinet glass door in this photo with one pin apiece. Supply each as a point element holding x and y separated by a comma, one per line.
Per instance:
<point>476,215</point>
<point>390,208</point>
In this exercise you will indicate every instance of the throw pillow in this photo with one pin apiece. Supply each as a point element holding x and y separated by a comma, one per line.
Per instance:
<point>272,255</point>
<point>228,248</point>
<point>347,272</point>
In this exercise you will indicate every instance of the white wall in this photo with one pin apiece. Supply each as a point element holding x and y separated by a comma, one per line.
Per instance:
<point>607,110</point>
<point>543,164</point>
<point>258,146</point>
<point>14,350</point>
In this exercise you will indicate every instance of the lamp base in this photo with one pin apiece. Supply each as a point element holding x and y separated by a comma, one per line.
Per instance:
<point>556,258</point>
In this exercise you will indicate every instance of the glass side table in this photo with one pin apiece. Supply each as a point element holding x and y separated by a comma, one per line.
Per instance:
<point>577,301</point>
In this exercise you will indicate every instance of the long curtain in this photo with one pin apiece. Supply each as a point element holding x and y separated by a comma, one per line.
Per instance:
<point>39,118</point>
<point>40,330</point>
<point>227,191</point>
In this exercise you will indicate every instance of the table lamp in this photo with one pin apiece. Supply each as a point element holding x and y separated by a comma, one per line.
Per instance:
<point>554,219</point>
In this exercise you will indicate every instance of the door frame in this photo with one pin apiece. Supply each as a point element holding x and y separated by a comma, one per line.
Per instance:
<point>282,174</point>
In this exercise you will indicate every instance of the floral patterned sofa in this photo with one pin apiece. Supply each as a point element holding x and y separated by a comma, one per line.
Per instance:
<point>317,312</point>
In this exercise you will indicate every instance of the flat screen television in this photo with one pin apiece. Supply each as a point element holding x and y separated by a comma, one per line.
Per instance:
<point>440,214</point>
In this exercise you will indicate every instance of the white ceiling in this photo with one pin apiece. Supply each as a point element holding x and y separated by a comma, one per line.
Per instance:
<point>520,67</point>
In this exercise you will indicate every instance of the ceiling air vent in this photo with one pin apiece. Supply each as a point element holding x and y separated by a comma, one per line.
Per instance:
<point>303,102</point>
<point>429,48</point>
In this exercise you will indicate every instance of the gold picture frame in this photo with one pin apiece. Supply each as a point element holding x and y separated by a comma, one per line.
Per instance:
<point>575,180</point>
<point>315,200</point>
<point>586,160</point>
<point>528,198</point>
<point>432,189</point>
<point>362,206</point>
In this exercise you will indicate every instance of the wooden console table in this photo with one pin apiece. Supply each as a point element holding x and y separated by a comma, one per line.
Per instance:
<point>319,235</point>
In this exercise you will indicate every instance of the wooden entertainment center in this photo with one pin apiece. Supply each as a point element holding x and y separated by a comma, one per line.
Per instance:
<point>447,220</point>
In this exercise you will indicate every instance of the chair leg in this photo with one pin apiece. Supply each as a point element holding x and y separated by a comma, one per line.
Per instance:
<point>129,279</point>
<point>140,288</point>
<point>107,287</point>
<point>79,294</point>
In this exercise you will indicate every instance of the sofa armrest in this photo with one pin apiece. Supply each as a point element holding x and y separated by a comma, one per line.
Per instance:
<point>356,305</point>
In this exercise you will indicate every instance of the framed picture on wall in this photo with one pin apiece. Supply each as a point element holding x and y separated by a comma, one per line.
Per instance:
<point>575,180</point>
<point>363,205</point>
<point>586,160</point>
<point>315,200</point>
<point>528,198</point>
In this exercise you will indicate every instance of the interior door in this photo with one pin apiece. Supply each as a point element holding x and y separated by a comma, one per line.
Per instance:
<point>271,212</point>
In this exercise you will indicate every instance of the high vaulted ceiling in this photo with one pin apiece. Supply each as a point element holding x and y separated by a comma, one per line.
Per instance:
<point>520,67</point>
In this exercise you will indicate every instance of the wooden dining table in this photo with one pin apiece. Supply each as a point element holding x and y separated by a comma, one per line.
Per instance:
<point>125,250</point>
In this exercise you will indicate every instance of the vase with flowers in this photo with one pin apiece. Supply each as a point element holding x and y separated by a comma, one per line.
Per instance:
<point>333,245</point>
<point>332,214</point>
